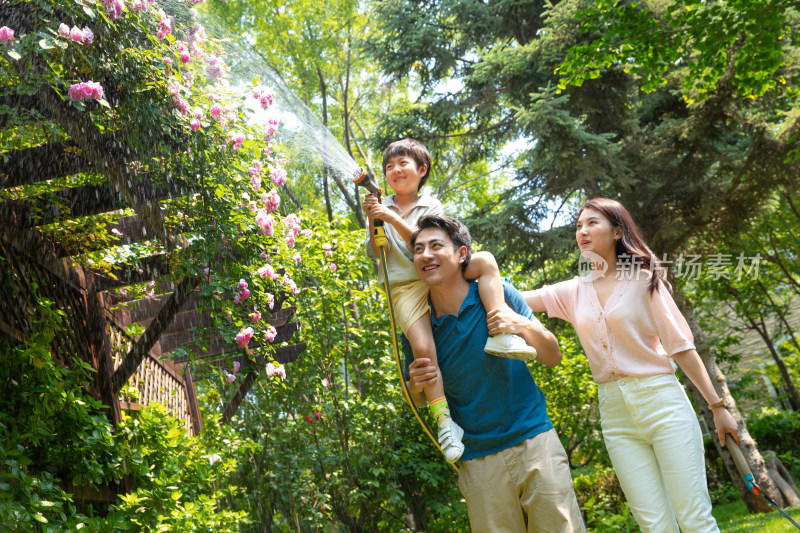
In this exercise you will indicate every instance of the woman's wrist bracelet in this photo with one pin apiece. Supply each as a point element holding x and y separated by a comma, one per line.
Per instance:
<point>718,404</point>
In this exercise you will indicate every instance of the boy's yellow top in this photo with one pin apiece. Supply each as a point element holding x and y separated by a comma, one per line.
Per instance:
<point>399,255</point>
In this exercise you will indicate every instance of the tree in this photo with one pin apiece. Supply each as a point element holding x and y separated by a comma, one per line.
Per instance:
<point>686,167</point>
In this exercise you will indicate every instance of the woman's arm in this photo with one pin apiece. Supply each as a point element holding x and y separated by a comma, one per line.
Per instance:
<point>534,301</point>
<point>689,361</point>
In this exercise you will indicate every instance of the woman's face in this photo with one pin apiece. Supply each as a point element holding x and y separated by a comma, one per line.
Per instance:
<point>595,233</point>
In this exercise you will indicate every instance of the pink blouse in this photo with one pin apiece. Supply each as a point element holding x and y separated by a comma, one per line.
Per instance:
<point>622,339</point>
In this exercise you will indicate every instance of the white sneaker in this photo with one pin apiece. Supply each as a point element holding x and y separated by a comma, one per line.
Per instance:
<point>450,441</point>
<point>511,346</point>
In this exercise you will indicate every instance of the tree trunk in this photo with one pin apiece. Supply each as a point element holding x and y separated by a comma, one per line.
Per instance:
<point>783,479</point>
<point>323,89</point>
<point>794,398</point>
<point>748,445</point>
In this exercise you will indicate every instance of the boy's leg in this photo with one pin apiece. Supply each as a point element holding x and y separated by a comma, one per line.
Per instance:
<point>420,337</point>
<point>483,267</point>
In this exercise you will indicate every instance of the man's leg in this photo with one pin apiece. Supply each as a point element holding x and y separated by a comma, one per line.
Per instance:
<point>491,495</point>
<point>548,497</point>
<point>525,488</point>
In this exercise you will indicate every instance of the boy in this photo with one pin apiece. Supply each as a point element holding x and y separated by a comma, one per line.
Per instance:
<point>406,165</point>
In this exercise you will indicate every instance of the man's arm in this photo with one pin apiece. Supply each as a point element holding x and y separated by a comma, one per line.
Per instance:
<point>505,320</point>
<point>421,374</point>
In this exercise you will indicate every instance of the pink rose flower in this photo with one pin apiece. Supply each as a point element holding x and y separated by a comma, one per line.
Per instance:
<point>84,90</point>
<point>273,201</point>
<point>214,68</point>
<point>278,176</point>
<point>76,34</point>
<point>244,336</point>
<point>195,124</point>
<point>114,8</point>
<point>63,30</point>
<point>272,130</point>
<point>216,111</point>
<point>235,139</point>
<point>271,333</point>
<point>164,24</point>
<point>333,267</point>
<point>269,369</point>
<point>255,316</point>
<point>270,301</point>
<point>236,366</point>
<point>6,34</point>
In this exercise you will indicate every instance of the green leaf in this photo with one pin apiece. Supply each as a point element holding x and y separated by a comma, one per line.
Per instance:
<point>14,55</point>
<point>103,102</point>
<point>89,11</point>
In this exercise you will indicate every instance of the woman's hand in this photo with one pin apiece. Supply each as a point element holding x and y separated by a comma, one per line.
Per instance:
<point>725,424</point>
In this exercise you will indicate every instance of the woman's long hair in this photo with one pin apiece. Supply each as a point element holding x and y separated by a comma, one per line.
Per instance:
<point>631,245</point>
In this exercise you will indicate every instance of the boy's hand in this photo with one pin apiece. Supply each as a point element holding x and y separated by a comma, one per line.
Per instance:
<point>375,210</point>
<point>369,201</point>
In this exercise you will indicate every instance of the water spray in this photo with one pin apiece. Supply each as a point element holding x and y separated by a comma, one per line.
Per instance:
<point>304,135</point>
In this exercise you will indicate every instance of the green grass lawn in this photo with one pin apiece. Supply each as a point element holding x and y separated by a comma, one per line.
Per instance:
<point>734,518</point>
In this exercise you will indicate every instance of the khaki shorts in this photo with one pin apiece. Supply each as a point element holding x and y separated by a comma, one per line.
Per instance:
<point>410,302</point>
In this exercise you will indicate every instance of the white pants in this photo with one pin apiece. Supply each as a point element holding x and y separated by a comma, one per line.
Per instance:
<point>656,447</point>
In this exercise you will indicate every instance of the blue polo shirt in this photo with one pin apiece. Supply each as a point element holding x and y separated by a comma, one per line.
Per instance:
<point>494,399</point>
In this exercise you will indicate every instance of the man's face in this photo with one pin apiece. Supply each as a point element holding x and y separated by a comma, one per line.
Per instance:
<point>435,257</point>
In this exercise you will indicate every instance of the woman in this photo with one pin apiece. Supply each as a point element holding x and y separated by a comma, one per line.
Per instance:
<point>630,328</point>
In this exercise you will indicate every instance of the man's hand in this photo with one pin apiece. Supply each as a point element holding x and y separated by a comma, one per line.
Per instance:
<point>505,320</point>
<point>422,374</point>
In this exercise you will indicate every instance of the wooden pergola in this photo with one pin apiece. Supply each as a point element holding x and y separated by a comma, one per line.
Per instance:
<point>38,262</point>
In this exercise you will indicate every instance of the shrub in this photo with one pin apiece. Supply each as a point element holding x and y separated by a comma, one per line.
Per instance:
<point>603,502</point>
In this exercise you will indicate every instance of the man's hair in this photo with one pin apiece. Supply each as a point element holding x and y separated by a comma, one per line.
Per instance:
<point>456,231</point>
<point>410,147</point>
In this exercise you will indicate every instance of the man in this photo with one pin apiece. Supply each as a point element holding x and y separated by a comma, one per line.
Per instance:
<point>514,472</point>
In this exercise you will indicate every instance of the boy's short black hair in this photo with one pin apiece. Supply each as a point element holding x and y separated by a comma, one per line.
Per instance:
<point>413,148</point>
<point>456,231</point>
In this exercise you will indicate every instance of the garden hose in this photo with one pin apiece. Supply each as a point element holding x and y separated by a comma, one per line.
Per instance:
<point>747,475</point>
<point>379,236</point>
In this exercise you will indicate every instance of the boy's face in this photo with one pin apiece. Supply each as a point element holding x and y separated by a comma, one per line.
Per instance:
<point>403,174</point>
